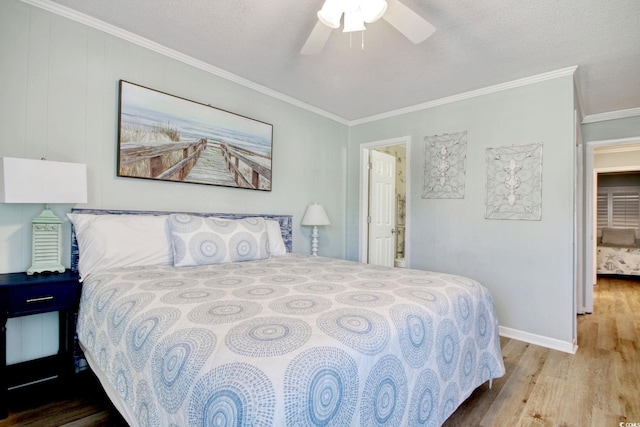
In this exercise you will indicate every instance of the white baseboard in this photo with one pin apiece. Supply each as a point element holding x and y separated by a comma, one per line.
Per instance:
<point>552,343</point>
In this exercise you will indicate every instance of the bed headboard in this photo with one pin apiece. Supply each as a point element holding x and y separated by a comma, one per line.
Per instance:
<point>285,222</point>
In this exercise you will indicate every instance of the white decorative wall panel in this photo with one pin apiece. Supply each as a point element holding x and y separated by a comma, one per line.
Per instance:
<point>444,166</point>
<point>514,182</point>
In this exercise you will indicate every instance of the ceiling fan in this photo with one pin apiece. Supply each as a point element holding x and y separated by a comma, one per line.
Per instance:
<point>357,13</point>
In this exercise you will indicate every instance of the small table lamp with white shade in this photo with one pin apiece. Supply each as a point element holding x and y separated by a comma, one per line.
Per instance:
<point>44,182</point>
<point>315,215</point>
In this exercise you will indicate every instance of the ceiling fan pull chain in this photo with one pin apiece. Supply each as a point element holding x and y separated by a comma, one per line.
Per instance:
<point>362,32</point>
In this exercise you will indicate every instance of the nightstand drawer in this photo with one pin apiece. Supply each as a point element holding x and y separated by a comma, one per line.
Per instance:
<point>41,298</point>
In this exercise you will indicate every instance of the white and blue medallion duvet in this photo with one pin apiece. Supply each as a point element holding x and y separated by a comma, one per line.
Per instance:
<point>288,341</point>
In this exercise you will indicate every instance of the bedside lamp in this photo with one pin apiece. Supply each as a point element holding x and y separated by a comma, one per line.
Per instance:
<point>315,215</point>
<point>43,181</point>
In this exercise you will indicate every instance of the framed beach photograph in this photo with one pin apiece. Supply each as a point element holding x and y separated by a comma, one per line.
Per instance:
<point>168,138</point>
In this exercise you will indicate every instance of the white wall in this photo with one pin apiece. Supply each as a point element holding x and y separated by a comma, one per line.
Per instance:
<point>528,265</point>
<point>59,97</point>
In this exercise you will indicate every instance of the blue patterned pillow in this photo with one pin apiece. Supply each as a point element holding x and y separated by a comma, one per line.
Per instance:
<point>201,241</point>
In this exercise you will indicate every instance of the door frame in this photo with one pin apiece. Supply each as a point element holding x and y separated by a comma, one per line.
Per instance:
<point>591,228</point>
<point>363,209</point>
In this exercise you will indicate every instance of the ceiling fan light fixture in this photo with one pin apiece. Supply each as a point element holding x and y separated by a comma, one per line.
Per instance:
<point>353,21</point>
<point>372,10</point>
<point>330,13</point>
<point>357,13</point>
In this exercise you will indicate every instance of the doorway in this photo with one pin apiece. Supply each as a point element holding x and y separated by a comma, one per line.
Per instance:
<point>394,210</point>
<point>622,155</point>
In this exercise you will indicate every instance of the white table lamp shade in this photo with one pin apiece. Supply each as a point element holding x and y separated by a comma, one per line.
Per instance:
<point>43,181</point>
<point>315,215</point>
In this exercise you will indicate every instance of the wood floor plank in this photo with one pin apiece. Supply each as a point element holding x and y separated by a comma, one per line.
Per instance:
<point>627,372</point>
<point>541,407</point>
<point>600,418</point>
<point>627,328</point>
<point>557,365</point>
<point>508,407</point>
<point>607,333</point>
<point>101,418</point>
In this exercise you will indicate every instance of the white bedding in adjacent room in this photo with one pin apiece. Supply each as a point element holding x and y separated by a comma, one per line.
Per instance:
<point>618,252</point>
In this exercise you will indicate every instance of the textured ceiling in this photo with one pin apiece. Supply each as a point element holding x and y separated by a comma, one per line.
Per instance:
<point>477,44</point>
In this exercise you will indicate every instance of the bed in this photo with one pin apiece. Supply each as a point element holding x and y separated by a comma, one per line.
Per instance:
<point>274,338</point>
<point>618,252</point>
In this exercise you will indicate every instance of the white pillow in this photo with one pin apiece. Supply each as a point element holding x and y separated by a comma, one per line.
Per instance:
<point>116,241</point>
<point>203,241</point>
<point>276,244</point>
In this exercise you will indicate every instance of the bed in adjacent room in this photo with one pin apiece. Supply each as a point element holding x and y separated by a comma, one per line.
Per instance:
<point>618,252</point>
<point>188,320</point>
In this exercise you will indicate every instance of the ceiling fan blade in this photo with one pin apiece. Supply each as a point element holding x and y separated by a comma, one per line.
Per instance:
<point>317,39</point>
<point>409,23</point>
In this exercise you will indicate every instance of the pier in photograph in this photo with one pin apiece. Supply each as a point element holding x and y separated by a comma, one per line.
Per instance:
<point>202,161</point>
<point>212,168</point>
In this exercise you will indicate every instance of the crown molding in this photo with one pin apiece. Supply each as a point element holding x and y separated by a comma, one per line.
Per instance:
<point>171,53</point>
<point>471,94</point>
<point>611,115</point>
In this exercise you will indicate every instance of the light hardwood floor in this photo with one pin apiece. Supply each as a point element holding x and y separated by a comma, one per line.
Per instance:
<point>599,386</point>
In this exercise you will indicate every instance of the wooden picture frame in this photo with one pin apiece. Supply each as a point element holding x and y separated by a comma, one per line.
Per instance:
<point>167,138</point>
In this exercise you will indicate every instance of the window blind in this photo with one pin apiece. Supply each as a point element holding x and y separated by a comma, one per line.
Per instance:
<point>603,210</point>
<point>618,207</point>
<point>625,208</point>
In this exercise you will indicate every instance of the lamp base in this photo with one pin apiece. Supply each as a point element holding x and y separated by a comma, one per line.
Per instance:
<point>41,268</point>
<point>314,241</point>
<point>46,247</point>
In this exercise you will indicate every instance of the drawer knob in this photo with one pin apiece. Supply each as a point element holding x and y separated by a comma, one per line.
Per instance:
<point>40,299</point>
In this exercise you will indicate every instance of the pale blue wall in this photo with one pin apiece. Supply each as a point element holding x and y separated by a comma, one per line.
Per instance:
<point>58,99</point>
<point>528,265</point>
<point>628,127</point>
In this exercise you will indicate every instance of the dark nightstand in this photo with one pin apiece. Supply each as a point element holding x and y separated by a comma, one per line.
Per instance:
<point>23,295</point>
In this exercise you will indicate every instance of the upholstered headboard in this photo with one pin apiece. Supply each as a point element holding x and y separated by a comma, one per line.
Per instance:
<point>285,222</point>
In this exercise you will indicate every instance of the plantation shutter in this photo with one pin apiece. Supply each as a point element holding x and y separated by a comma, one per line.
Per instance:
<point>625,209</point>
<point>603,210</point>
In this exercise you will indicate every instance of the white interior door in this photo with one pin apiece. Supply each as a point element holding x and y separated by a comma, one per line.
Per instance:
<point>382,213</point>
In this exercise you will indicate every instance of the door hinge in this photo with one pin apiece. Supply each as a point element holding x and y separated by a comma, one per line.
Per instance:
<point>369,165</point>
<point>368,220</point>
